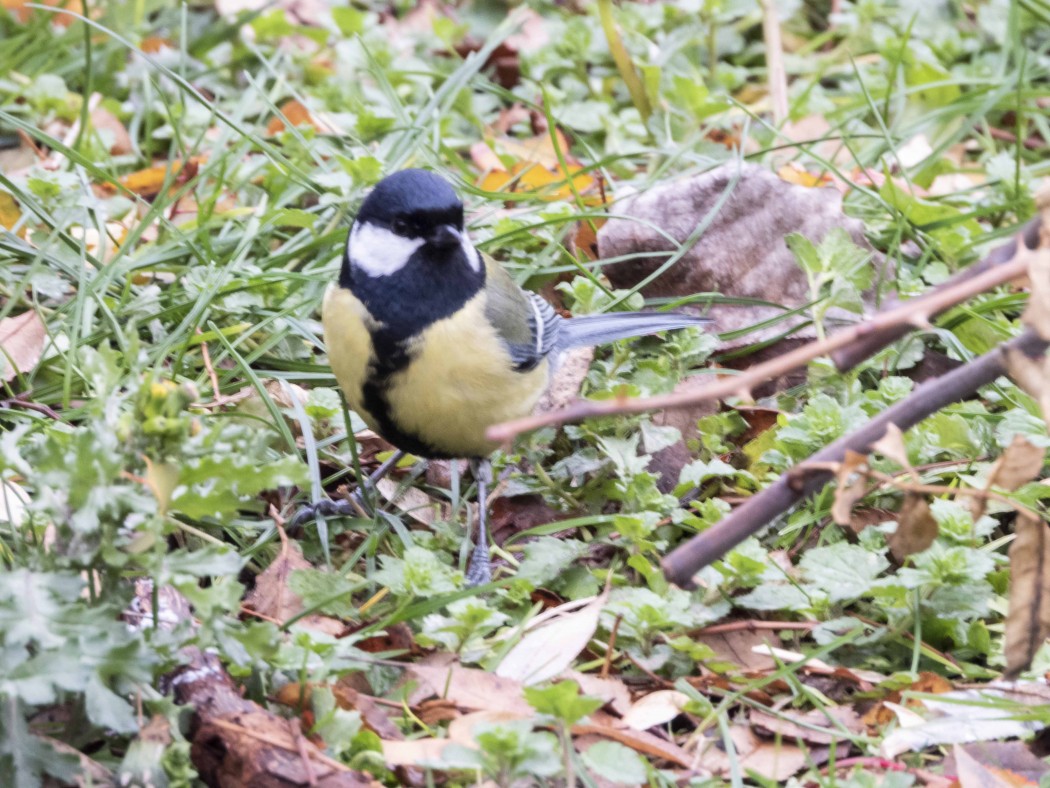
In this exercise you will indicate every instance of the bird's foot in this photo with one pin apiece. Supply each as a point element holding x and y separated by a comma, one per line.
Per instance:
<point>347,507</point>
<point>479,570</point>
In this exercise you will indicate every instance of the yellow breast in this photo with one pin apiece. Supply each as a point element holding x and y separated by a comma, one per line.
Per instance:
<point>459,381</point>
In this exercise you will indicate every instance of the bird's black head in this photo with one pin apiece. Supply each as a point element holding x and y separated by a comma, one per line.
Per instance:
<point>415,204</point>
<point>408,258</point>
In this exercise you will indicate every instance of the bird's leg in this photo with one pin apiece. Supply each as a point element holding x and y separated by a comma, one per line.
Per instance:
<point>347,507</point>
<point>479,570</point>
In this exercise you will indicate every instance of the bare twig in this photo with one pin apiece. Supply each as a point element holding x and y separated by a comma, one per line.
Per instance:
<point>851,355</point>
<point>885,327</point>
<point>891,481</point>
<point>760,510</point>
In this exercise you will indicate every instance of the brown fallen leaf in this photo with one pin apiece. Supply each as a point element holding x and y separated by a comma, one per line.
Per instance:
<point>1018,465</point>
<point>469,688</point>
<point>738,646</point>
<point>817,726</point>
<point>1028,620</point>
<point>22,340</point>
<point>878,716</point>
<point>272,598</point>
<point>104,120</point>
<point>418,752</point>
<point>297,114</point>
<point>1033,376</point>
<point>795,173</point>
<point>852,486</point>
<point>773,760</point>
<point>1006,757</point>
<point>10,213</point>
<point>644,742</point>
<point>916,527</point>
<point>611,690</point>
<point>971,773</point>
<point>22,11</point>
<point>148,182</point>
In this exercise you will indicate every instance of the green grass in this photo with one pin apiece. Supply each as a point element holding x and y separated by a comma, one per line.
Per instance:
<point>233,256</point>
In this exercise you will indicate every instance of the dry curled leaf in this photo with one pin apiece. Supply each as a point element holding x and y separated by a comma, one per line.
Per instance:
<point>644,742</point>
<point>1018,465</point>
<point>468,688</point>
<point>891,446</point>
<point>22,340</point>
<point>817,726</point>
<point>1028,622</point>
<point>656,708</point>
<point>1033,376</point>
<point>916,527</point>
<point>852,486</point>
<point>149,182</point>
<point>1037,313</point>
<point>274,599</point>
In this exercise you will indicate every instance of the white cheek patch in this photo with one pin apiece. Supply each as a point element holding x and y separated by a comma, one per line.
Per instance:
<point>379,252</point>
<point>470,252</point>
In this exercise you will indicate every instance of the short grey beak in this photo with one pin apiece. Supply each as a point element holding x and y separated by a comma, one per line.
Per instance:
<point>444,236</point>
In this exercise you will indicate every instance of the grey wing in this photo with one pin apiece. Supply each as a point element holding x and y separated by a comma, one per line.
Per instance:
<point>527,324</point>
<point>545,324</point>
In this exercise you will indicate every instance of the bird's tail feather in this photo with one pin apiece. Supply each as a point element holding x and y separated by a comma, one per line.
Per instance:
<point>599,329</point>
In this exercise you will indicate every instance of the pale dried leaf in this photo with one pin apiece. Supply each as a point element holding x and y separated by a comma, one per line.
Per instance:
<point>105,121</point>
<point>1028,622</point>
<point>22,341</point>
<point>817,726</point>
<point>13,502</point>
<point>546,651</point>
<point>852,486</point>
<point>644,742</point>
<point>1018,465</point>
<point>461,729</point>
<point>747,648</point>
<point>1037,313</point>
<point>162,478</point>
<point>413,752</point>
<point>1010,757</point>
<point>656,708</point>
<point>1033,376</point>
<point>962,716</point>
<point>913,152</point>
<point>409,500</point>
<point>611,690</point>
<point>916,527</point>
<point>773,760</point>
<point>468,688</point>
<point>891,446</point>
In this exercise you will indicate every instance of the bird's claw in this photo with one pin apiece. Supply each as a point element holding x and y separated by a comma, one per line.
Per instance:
<point>479,570</point>
<point>326,507</point>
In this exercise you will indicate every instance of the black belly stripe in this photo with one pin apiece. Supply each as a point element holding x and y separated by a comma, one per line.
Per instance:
<point>391,356</point>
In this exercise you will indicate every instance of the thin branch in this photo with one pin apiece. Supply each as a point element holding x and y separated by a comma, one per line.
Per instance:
<point>762,509</point>
<point>851,355</point>
<point>892,323</point>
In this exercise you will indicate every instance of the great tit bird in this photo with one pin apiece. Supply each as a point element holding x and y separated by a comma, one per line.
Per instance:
<point>433,342</point>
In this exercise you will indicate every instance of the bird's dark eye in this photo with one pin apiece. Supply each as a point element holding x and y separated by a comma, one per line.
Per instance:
<point>401,227</point>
